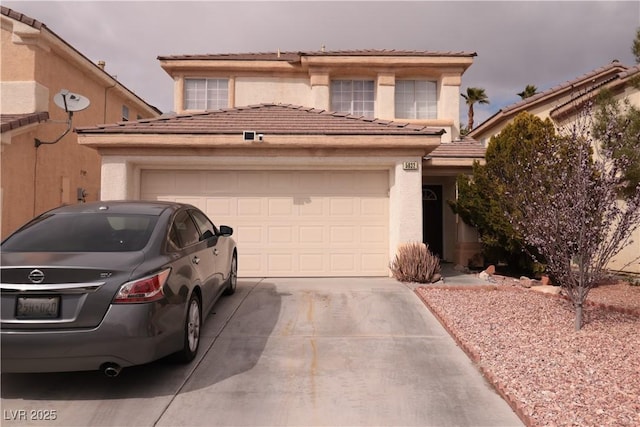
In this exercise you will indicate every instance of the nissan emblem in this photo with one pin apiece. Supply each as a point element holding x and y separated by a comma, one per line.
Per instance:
<point>36,276</point>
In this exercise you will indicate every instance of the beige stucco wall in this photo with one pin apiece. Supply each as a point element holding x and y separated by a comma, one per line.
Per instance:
<point>18,97</point>
<point>33,70</point>
<point>256,90</point>
<point>311,87</point>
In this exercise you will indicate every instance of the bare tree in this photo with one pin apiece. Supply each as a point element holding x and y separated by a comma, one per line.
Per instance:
<point>565,202</point>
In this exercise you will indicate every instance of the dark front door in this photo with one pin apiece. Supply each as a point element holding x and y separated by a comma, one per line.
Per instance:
<point>432,218</point>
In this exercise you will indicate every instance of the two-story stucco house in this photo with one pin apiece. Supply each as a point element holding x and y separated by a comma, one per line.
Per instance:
<point>323,162</point>
<point>559,103</point>
<point>36,65</point>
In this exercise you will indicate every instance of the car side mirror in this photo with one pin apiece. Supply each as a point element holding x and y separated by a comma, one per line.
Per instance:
<point>225,230</point>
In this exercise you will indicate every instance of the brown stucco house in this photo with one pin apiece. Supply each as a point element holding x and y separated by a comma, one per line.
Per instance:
<point>559,104</point>
<point>36,65</point>
<point>324,162</point>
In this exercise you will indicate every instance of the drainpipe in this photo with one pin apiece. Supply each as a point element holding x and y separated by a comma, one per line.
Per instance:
<point>102,65</point>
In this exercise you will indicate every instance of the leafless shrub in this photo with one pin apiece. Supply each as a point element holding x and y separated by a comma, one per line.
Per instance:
<point>414,262</point>
<point>565,202</point>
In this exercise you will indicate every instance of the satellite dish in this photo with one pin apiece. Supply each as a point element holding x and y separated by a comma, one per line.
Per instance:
<point>70,102</point>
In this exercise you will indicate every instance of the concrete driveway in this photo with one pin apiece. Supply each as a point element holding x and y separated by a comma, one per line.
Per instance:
<point>287,352</point>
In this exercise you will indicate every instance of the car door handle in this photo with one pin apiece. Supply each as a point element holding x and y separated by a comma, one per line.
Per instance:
<point>196,260</point>
<point>215,251</point>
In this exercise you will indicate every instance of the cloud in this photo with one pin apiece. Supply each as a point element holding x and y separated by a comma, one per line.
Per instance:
<point>518,43</point>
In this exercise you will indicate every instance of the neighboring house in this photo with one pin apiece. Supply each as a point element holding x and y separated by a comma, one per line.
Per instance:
<point>323,162</point>
<point>559,103</point>
<point>37,64</point>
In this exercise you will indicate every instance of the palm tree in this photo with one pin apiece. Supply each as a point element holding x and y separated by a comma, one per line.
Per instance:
<point>474,94</point>
<point>528,91</point>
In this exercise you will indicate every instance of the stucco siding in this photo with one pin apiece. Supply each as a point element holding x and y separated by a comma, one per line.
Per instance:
<point>17,97</point>
<point>405,206</point>
<point>256,90</point>
<point>34,69</point>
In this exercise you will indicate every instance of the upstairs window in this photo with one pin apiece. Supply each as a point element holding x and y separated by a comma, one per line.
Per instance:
<point>206,94</point>
<point>353,96</point>
<point>125,113</point>
<point>416,99</point>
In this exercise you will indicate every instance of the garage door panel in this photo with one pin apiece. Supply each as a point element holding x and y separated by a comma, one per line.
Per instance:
<point>312,206</point>
<point>342,234</point>
<point>281,234</point>
<point>280,264</point>
<point>250,183</point>
<point>280,206</point>
<point>373,235</point>
<point>345,206</point>
<point>311,261</point>
<point>249,207</point>
<point>251,264</point>
<point>343,263</point>
<point>291,223</point>
<point>373,207</point>
<point>221,182</point>
<point>159,182</point>
<point>248,234</point>
<point>219,207</point>
<point>313,235</point>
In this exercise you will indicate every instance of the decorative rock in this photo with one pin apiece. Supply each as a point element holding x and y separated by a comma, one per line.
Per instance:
<point>526,282</point>
<point>548,289</point>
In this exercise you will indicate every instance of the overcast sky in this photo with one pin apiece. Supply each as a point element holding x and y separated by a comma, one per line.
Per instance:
<point>543,43</point>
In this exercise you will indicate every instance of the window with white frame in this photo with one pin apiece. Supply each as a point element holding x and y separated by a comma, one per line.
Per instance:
<point>353,96</point>
<point>416,99</point>
<point>206,94</point>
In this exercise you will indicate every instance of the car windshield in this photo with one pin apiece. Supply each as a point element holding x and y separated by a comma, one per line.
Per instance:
<point>84,232</point>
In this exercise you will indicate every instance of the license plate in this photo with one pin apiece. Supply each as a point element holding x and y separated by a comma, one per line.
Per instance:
<point>38,307</point>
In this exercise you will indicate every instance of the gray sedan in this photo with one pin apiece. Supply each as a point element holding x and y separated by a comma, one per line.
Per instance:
<point>107,285</point>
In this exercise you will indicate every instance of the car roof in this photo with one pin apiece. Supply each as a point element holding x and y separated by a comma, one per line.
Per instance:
<point>140,207</point>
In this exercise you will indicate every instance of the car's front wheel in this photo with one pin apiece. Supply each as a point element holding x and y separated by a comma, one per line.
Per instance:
<point>192,325</point>
<point>232,281</point>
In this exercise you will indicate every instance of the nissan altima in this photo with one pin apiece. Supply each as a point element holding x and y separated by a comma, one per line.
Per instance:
<point>106,285</point>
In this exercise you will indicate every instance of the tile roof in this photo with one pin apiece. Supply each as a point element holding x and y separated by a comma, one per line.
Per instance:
<point>295,56</point>
<point>568,85</point>
<point>21,17</point>
<point>281,119</point>
<point>14,121</point>
<point>629,72</point>
<point>597,77</point>
<point>466,148</point>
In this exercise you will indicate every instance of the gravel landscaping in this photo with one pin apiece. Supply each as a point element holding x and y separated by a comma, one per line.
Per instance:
<point>525,344</point>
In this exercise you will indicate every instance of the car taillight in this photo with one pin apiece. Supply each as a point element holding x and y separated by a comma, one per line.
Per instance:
<point>142,290</point>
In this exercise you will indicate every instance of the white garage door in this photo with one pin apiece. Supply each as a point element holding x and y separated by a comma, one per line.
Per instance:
<point>290,223</point>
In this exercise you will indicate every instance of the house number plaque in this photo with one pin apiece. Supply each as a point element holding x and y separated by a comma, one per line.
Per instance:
<point>410,166</point>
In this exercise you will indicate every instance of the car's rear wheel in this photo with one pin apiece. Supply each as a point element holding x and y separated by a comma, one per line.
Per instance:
<point>192,325</point>
<point>232,281</point>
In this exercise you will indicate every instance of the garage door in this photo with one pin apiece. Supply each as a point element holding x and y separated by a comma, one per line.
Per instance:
<point>291,223</point>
